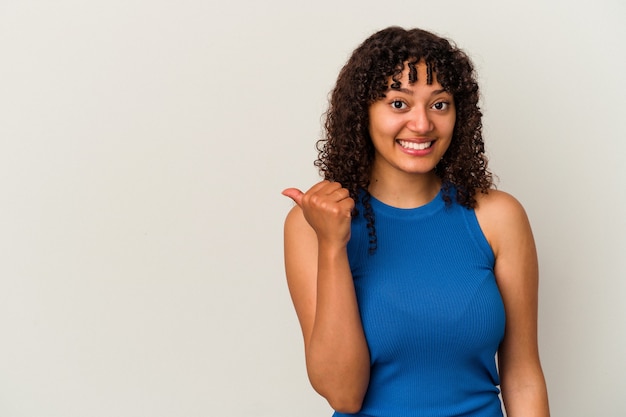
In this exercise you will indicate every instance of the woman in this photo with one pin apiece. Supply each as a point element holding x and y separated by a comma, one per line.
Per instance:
<point>404,262</point>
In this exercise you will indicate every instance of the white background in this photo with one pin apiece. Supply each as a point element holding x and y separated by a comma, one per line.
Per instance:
<point>143,148</point>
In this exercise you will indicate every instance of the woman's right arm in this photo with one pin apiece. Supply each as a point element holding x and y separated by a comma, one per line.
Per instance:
<point>317,231</point>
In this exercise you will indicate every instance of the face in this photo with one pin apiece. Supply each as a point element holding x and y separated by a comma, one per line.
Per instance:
<point>412,126</point>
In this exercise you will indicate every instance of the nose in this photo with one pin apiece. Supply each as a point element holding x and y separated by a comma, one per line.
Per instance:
<point>419,120</point>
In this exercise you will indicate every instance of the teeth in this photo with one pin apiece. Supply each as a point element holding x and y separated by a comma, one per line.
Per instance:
<point>414,145</point>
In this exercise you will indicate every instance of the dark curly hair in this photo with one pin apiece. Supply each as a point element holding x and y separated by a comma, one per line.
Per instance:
<point>346,154</point>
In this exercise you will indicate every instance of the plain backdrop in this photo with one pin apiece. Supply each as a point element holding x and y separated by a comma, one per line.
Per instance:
<point>143,148</point>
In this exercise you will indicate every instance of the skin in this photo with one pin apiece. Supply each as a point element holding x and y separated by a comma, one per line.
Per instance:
<point>317,231</point>
<point>411,116</point>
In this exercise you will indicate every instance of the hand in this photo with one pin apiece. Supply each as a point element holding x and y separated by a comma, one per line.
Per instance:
<point>327,207</point>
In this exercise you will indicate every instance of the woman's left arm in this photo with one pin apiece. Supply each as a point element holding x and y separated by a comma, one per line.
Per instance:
<point>508,231</point>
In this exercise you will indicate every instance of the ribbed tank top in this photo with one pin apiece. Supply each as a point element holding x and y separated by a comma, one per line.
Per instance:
<point>431,311</point>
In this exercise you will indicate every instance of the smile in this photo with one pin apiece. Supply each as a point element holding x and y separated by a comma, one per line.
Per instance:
<point>414,145</point>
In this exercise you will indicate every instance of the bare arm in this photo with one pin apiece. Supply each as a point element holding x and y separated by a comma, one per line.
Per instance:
<point>506,226</point>
<point>317,231</point>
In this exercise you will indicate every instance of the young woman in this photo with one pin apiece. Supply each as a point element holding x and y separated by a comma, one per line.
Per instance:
<point>407,270</point>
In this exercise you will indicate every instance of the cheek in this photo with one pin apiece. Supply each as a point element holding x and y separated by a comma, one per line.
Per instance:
<point>448,125</point>
<point>453,120</point>
<point>375,127</point>
<point>385,126</point>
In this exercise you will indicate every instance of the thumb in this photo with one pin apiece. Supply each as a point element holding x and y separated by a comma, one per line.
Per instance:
<point>294,194</point>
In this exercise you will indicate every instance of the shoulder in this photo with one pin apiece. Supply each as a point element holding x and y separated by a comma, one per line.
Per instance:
<point>297,229</point>
<point>496,203</point>
<point>300,239</point>
<point>295,216</point>
<point>295,222</point>
<point>502,218</point>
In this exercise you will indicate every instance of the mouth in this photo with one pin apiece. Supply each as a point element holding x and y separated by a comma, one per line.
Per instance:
<point>418,146</point>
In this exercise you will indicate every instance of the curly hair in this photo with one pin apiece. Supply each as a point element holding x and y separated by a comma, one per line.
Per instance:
<point>346,154</point>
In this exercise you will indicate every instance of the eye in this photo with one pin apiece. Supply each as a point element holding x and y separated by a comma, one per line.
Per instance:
<point>398,105</point>
<point>441,105</point>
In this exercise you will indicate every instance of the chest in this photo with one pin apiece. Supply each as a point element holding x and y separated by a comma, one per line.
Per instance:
<point>428,289</point>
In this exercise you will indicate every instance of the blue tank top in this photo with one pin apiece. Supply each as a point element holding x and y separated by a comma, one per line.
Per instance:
<point>431,311</point>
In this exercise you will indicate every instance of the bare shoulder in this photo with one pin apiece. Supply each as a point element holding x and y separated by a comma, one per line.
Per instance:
<point>299,235</point>
<point>497,202</point>
<point>297,230</point>
<point>295,218</point>
<point>502,218</point>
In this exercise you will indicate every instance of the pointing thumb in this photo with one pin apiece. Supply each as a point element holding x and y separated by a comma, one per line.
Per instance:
<point>294,194</point>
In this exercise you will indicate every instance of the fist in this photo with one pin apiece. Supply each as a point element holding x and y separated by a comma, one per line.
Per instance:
<point>327,207</point>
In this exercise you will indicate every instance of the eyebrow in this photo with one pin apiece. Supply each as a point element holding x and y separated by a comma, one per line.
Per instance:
<point>409,91</point>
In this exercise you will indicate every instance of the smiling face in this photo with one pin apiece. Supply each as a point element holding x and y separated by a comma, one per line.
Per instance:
<point>411,127</point>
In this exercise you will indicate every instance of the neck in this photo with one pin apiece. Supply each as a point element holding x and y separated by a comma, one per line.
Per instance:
<point>404,191</point>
